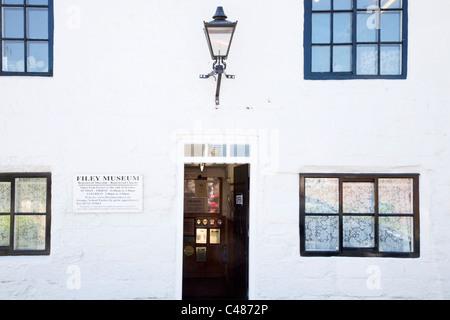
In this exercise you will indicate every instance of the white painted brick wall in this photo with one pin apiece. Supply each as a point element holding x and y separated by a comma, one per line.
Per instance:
<point>126,82</point>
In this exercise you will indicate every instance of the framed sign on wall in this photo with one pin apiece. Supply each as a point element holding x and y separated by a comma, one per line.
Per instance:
<point>108,193</point>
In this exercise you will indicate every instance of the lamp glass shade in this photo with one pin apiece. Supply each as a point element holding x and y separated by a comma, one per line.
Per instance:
<point>219,39</point>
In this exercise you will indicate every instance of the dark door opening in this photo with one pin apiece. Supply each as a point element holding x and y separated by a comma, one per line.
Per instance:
<point>216,224</point>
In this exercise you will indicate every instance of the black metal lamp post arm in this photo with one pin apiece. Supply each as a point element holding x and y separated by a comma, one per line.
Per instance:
<point>219,81</point>
<point>218,70</point>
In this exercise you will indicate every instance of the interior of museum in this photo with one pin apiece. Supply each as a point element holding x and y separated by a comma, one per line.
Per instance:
<point>215,244</point>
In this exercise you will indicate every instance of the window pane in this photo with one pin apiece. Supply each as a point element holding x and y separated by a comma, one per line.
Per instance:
<point>367,27</point>
<point>217,150</point>
<point>321,4</point>
<point>37,2</point>
<point>5,197</point>
<point>395,196</point>
<point>5,231</point>
<point>364,4</point>
<point>358,197</point>
<point>29,232</point>
<point>342,58</point>
<point>37,23</point>
<point>37,56</point>
<point>320,61</point>
<point>396,234</point>
<point>322,233</point>
<point>390,57</point>
<point>342,5</point>
<point>321,28</point>
<point>13,2</point>
<point>391,4</point>
<point>13,24</point>
<point>31,195</point>
<point>240,150</point>
<point>367,59</point>
<point>194,150</point>
<point>342,28</point>
<point>321,195</point>
<point>13,55</point>
<point>359,232</point>
<point>391,26</point>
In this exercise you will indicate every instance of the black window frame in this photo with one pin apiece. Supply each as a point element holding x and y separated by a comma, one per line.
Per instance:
<point>11,178</point>
<point>308,45</point>
<point>26,40</point>
<point>361,252</point>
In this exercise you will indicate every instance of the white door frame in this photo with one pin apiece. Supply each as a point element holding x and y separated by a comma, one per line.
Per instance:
<point>251,140</point>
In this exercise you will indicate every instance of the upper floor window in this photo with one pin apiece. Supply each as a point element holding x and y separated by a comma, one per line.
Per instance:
<point>26,35</point>
<point>355,39</point>
<point>25,213</point>
<point>359,215</point>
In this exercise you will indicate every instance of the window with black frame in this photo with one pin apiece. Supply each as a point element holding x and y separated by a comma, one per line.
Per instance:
<point>26,36</point>
<point>355,39</point>
<point>25,214</point>
<point>359,215</point>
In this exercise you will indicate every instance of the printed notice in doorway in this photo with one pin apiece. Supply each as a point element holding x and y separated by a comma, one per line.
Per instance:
<point>240,199</point>
<point>108,193</point>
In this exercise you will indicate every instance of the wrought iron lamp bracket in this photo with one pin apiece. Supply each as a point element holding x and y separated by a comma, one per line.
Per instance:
<point>219,67</point>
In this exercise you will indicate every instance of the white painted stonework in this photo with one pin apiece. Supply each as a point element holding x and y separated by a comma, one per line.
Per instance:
<point>126,96</point>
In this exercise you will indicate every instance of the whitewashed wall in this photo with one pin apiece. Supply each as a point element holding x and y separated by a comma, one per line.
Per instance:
<point>126,83</point>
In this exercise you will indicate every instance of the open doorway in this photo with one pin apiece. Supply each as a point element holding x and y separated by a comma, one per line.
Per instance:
<point>215,235</point>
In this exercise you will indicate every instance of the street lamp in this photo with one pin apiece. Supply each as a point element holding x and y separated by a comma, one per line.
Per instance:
<point>219,34</point>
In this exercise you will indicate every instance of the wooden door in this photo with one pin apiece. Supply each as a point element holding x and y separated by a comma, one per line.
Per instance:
<point>241,228</point>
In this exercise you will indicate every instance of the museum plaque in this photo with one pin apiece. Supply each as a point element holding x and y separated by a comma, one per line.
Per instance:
<point>108,193</point>
<point>200,254</point>
<point>188,251</point>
